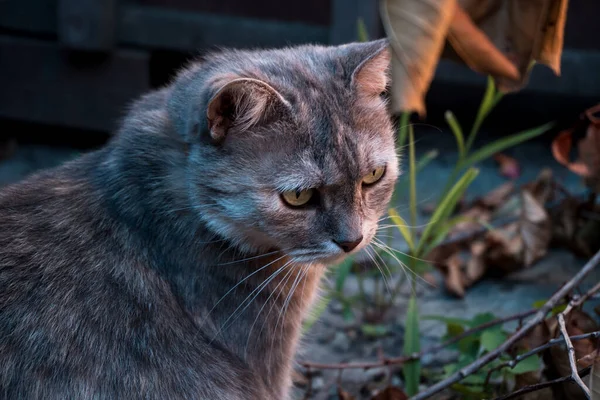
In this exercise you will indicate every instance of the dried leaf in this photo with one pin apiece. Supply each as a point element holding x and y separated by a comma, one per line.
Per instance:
<point>509,167</point>
<point>476,266</point>
<point>542,189</point>
<point>454,279</point>
<point>524,31</point>
<point>589,153</point>
<point>588,163</point>
<point>565,220</point>
<point>498,196</point>
<point>535,229</point>
<point>561,149</point>
<point>505,249</point>
<point>494,37</point>
<point>417,31</point>
<point>475,48</point>
<point>390,393</point>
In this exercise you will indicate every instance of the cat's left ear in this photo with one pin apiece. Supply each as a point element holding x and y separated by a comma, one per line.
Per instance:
<point>241,104</point>
<point>372,75</point>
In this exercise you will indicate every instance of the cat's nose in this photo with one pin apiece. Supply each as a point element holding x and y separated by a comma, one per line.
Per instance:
<point>348,245</point>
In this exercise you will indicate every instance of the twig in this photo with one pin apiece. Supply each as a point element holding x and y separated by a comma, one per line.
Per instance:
<point>571,352</point>
<point>539,349</point>
<point>539,386</point>
<point>386,361</point>
<point>538,317</point>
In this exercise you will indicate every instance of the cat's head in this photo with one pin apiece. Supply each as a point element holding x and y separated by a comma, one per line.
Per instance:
<point>291,149</point>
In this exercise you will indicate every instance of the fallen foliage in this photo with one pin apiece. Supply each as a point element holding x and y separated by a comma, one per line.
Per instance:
<point>493,37</point>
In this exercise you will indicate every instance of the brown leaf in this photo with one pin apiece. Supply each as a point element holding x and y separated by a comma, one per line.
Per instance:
<point>509,167</point>
<point>343,395</point>
<point>476,265</point>
<point>498,196</point>
<point>390,393</point>
<point>417,32</point>
<point>588,163</point>
<point>455,279</point>
<point>524,31</point>
<point>542,188</point>
<point>472,220</point>
<point>475,48</point>
<point>589,153</point>
<point>505,249</point>
<point>561,149</point>
<point>565,220</point>
<point>535,229</point>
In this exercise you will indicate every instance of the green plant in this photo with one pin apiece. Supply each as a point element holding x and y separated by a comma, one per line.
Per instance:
<point>484,383</point>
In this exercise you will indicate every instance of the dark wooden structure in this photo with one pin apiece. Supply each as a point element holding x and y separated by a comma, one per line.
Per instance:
<point>78,63</point>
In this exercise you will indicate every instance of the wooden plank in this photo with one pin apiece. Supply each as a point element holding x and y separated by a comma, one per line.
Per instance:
<point>168,29</point>
<point>164,28</point>
<point>32,16</point>
<point>40,83</point>
<point>317,12</point>
<point>86,24</point>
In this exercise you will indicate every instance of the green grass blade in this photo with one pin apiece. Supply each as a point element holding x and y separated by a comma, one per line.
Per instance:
<point>402,227</point>
<point>316,312</point>
<point>413,177</point>
<point>403,128</point>
<point>489,101</point>
<point>343,270</point>
<point>427,158</point>
<point>363,35</point>
<point>503,144</point>
<point>412,370</point>
<point>458,133</point>
<point>445,207</point>
<point>439,236</point>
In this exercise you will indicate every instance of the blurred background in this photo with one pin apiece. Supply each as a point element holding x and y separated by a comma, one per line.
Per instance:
<point>69,68</point>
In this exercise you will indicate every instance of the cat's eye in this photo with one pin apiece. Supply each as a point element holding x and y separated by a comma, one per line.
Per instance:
<point>297,198</point>
<point>373,176</point>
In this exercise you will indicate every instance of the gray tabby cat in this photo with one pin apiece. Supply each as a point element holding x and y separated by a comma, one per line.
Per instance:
<point>178,261</point>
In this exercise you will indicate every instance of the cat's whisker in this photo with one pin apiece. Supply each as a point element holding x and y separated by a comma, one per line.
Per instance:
<point>390,252</point>
<point>383,262</point>
<point>404,254</point>
<point>285,281</point>
<point>249,299</point>
<point>239,283</point>
<point>264,305</point>
<point>299,277</point>
<point>403,267</point>
<point>385,281</point>
<point>251,258</point>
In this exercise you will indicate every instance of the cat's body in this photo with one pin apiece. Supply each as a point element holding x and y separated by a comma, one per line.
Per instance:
<point>165,265</point>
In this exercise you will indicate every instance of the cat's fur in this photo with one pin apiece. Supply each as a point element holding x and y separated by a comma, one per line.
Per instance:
<point>117,269</point>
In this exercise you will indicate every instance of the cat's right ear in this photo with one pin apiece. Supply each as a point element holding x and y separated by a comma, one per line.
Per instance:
<point>240,105</point>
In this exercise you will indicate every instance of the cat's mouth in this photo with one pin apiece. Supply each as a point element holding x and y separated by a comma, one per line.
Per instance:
<point>328,256</point>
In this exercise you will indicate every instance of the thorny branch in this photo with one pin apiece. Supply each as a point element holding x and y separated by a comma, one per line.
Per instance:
<point>571,352</point>
<point>512,363</point>
<point>539,386</point>
<point>524,330</point>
